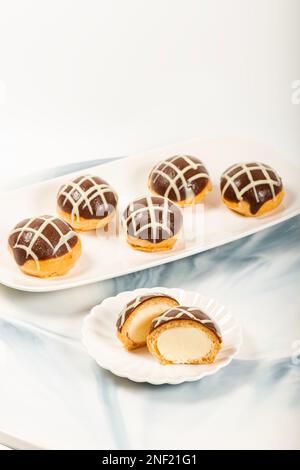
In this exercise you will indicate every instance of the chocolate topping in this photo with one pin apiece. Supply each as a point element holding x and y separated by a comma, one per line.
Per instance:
<point>154,219</point>
<point>186,313</point>
<point>255,183</point>
<point>133,304</point>
<point>41,238</point>
<point>179,178</point>
<point>87,196</point>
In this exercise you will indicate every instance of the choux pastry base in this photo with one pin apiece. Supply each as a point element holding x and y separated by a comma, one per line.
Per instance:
<point>194,200</point>
<point>82,225</point>
<point>243,207</point>
<point>145,245</point>
<point>134,331</point>
<point>208,358</point>
<point>54,266</point>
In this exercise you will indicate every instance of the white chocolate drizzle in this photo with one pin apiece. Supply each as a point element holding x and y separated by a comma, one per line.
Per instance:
<point>247,168</point>
<point>150,208</point>
<point>160,170</point>
<point>134,303</point>
<point>85,197</point>
<point>38,233</point>
<point>178,313</point>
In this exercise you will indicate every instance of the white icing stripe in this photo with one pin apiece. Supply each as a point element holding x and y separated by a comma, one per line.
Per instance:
<point>230,180</point>
<point>135,212</point>
<point>159,170</point>
<point>96,190</point>
<point>165,216</point>
<point>155,227</point>
<point>133,305</point>
<point>132,216</point>
<point>251,184</point>
<point>267,176</point>
<point>172,184</point>
<point>153,223</point>
<point>191,179</point>
<point>190,162</point>
<point>165,164</point>
<point>180,313</point>
<point>63,238</point>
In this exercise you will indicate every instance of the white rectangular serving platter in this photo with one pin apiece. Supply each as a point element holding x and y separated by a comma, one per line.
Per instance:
<point>106,256</point>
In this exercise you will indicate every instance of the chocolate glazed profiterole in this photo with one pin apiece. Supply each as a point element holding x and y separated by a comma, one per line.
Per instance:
<point>152,223</point>
<point>184,335</point>
<point>182,178</point>
<point>252,188</point>
<point>135,318</point>
<point>44,246</point>
<point>87,202</point>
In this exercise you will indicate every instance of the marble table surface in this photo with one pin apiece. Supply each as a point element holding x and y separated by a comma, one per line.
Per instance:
<point>53,395</point>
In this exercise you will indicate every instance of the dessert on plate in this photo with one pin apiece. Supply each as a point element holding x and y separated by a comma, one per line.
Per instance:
<point>44,246</point>
<point>251,189</point>
<point>87,202</point>
<point>135,319</point>
<point>182,178</point>
<point>184,335</point>
<point>152,223</point>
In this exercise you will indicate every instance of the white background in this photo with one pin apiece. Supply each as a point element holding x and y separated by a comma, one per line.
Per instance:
<point>97,78</point>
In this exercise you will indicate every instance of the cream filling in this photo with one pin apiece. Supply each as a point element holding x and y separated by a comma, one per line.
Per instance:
<point>139,325</point>
<point>184,344</point>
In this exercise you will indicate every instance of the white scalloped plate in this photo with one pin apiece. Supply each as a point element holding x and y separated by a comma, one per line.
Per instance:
<point>99,338</point>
